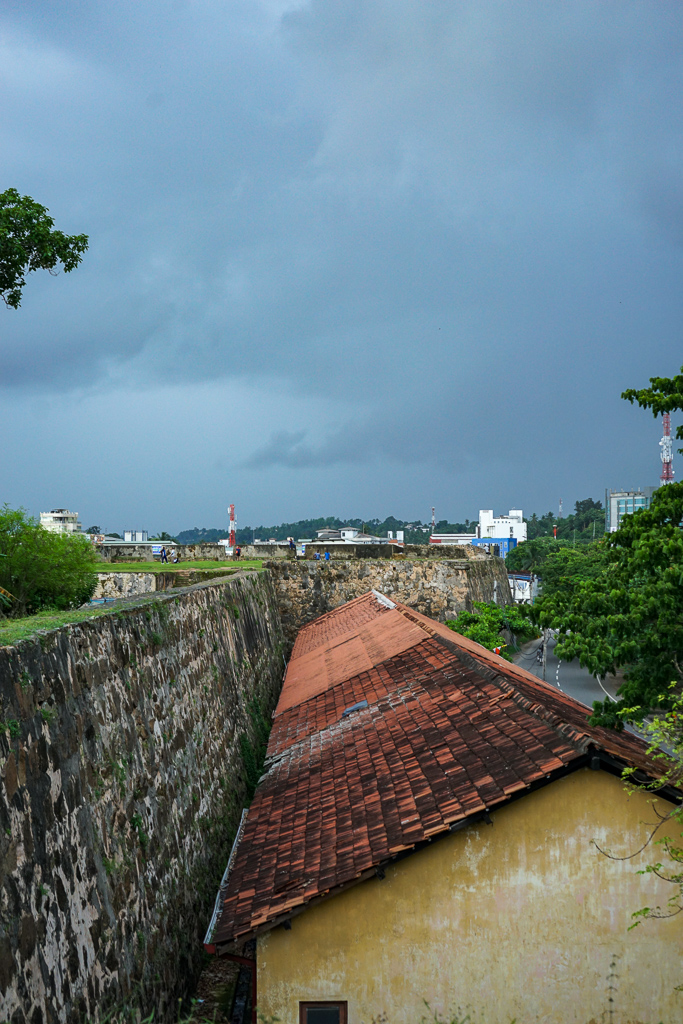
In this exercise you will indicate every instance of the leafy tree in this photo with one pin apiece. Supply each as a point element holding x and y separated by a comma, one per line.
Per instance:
<point>28,242</point>
<point>532,554</point>
<point>629,614</point>
<point>665,394</point>
<point>163,536</point>
<point>486,625</point>
<point>42,569</point>
<point>567,567</point>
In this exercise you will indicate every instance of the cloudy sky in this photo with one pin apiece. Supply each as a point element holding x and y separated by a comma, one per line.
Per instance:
<point>349,258</point>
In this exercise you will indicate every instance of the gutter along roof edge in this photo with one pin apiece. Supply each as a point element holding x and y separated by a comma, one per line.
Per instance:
<point>208,945</point>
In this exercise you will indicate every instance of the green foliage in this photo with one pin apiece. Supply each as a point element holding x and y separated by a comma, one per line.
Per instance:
<point>664,733</point>
<point>254,750</point>
<point>665,394</point>
<point>485,626</point>
<point>415,532</point>
<point>567,567</point>
<point>28,242</point>
<point>12,726</point>
<point>629,613</point>
<point>138,824</point>
<point>43,569</point>
<point>531,554</point>
<point>585,524</point>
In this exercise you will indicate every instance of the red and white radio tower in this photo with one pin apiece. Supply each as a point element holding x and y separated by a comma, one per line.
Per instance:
<point>665,444</point>
<point>233,526</point>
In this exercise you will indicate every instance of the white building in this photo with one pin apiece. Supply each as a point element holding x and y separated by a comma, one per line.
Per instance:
<point>502,527</point>
<point>135,536</point>
<point>60,520</point>
<point>490,527</point>
<point>347,535</point>
<point>523,587</point>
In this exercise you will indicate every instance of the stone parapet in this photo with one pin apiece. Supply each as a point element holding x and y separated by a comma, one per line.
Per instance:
<point>439,588</point>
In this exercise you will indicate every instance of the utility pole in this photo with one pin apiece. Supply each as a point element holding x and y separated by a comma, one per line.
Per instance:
<point>545,651</point>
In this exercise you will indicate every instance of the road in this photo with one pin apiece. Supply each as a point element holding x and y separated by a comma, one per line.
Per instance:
<point>568,676</point>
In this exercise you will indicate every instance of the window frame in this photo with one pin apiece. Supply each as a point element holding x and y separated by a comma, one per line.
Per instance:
<point>316,1004</point>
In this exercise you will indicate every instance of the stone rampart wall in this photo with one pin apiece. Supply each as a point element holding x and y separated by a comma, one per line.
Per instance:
<point>439,588</point>
<point>133,584</point>
<point>125,747</point>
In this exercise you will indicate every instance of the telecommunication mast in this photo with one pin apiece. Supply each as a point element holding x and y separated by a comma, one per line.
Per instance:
<point>665,444</point>
<point>433,521</point>
<point>233,526</point>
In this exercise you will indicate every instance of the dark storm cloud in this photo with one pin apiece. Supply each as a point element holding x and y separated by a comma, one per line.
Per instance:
<point>461,221</point>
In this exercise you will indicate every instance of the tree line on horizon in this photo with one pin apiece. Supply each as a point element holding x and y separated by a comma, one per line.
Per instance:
<point>587,522</point>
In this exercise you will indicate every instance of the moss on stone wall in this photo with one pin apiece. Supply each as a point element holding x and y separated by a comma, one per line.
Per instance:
<point>124,773</point>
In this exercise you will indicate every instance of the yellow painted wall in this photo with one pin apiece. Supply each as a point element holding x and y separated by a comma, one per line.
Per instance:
<point>518,919</point>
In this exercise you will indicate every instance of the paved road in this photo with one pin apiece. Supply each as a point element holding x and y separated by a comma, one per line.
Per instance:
<point>568,676</point>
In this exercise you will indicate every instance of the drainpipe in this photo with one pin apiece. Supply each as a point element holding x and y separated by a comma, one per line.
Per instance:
<point>246,961</point>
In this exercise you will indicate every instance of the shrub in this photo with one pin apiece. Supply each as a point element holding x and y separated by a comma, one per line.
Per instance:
<point>486,624</point>
<point>42,569</point>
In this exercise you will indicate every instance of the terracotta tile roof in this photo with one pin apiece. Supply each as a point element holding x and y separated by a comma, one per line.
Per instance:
<point>445,730</point>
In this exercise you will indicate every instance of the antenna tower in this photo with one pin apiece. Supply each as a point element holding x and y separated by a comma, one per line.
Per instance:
<point>560,515</point>
<point>665,444</point>
<point>233,526</point>
<point>433,521</point>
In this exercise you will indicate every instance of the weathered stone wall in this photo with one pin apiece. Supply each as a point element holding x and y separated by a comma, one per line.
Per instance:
<point>439,588</point>
<point>125,749</point>
<point>143,552</point>
<point>132,584</point>
<point>461,552</point>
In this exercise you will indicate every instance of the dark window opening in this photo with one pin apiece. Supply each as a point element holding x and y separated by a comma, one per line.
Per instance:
<point>322,1013</point>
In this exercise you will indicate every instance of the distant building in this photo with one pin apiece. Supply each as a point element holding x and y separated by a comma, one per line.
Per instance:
<point>135,536</point>
<point>348,535</point>
<point>60,520</point>
<point>523,587</point>
<point>624,503</point>
<point>497,533</point>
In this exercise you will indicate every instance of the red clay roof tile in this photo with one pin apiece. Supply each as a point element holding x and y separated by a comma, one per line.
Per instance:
<point>449,730</point>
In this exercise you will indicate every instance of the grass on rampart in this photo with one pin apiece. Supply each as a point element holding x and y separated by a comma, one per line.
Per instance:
<point>246,563</point>
<point>14,630</point>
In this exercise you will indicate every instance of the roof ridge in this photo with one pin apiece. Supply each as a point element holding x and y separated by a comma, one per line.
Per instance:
<point>332,611</point>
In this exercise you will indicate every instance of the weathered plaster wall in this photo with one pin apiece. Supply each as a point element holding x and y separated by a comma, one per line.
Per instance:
<point>518,920</point>
<point>439,588</point>
<point>124,751</point>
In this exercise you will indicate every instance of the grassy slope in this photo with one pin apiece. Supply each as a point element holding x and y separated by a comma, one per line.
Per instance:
<point>12,631</point>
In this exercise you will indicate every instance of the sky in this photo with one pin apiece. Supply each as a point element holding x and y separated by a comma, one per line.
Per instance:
<point>354,258</point>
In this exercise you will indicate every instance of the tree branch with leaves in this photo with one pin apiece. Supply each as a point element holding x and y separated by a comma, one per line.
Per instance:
<point>29,242</point>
